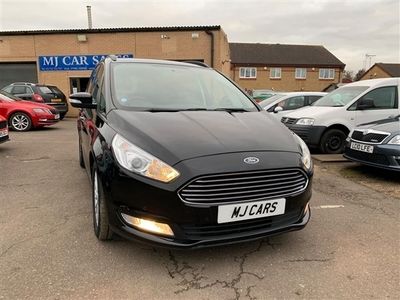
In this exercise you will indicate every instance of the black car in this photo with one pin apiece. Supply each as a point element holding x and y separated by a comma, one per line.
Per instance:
<point>376,144</point>
<point>176,157</point>
<point>48,94</point>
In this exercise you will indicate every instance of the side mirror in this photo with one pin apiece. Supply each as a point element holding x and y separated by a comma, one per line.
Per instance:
<point>278,109</point>
<point>365,103</point>
<point>82,100</point>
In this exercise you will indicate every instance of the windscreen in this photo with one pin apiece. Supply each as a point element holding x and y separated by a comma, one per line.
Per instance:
<point>8,97</point>
<point>341,97</point>
<point>170,87</point>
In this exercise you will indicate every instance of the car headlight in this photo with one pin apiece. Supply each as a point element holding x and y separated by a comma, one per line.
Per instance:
<point>139,161</point>
<point>42,110</point>
<point>395,140</point>
<point>305,153</point>
<point>305,121</point>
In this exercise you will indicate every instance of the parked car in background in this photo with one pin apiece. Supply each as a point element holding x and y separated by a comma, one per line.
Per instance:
<point>376,144</point>
<point>175,158</point>
<point>282,104</point>
<point>48,94</point>
<point>327,123</point>
<point>25,115</point>
<point>3,130</point>
<point>260,95</point>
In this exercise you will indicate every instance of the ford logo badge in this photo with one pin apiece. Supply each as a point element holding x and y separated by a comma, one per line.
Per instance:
<point>251,160</point>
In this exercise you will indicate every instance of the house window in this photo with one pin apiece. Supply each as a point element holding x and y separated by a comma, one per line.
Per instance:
<point>247,72</point>
<point>275,73</point>
<point>326,73</point>
<point>301,73</point>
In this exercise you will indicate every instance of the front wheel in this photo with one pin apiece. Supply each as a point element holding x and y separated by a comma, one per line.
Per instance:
<point>62,116</point>
<point>20,122</point>
<point>101,223</point>
<point>333,141</point>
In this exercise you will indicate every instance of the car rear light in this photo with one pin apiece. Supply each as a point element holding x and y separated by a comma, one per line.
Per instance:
<point>37,98</point>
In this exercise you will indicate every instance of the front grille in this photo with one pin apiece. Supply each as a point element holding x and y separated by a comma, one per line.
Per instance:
<point>368,157</point>
<point>199,232</point>
<point>371,137</point>
<point>288,121</point>
<point>3,124</point>
<point>243,187</point>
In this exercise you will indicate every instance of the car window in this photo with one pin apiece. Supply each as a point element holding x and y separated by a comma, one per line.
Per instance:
<point>383,98</point>
<point>268,101</point>
<point>8,89</point>
<point>292,103</point>
<point>45,90</point>
<point>340,97</point>
<point>19,89</point>
<point>8,97</point>
<point>172,87</point>
<point>312,99</point>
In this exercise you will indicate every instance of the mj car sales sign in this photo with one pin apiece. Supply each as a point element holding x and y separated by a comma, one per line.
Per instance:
<point>73,62</point>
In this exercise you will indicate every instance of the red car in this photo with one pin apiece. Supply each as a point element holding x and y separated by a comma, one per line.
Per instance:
<point>3,130</point>
<point>24,115</point>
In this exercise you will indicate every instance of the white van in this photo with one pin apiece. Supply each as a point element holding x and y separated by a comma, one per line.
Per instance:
<point>330,119</point>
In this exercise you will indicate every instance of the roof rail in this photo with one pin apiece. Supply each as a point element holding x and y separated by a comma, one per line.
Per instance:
<point>195,62</point>
<point>23,83</point>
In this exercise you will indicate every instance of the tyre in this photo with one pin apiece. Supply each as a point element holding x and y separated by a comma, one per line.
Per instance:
<point>333,141</point>
<point>81,161</point>
<point>62,116</point>
<point>20,122</point>
<point>101,225</point>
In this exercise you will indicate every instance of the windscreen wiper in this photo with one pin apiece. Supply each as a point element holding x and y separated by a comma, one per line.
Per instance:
<point>228,109</point>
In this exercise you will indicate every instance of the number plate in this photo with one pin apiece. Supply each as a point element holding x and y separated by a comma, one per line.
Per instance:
<point>55,100</point>
<point>251,210</point>
<point>362,147</point>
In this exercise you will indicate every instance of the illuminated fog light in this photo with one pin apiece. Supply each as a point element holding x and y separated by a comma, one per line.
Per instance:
<point>148,225</point>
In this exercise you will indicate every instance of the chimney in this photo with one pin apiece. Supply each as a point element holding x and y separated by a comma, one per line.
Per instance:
<point>89,16</point>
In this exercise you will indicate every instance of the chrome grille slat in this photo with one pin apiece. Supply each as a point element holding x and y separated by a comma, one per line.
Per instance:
<point>241,183</point>
<point>296,182</point>
<point>244,187</point>
<point>241,193</point>
<point>250,177</point>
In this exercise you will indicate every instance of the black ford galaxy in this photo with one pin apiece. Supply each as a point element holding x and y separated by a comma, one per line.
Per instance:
<point>179,156</point>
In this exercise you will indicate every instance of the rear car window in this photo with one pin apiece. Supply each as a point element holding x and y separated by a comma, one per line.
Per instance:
<point>45,90</point>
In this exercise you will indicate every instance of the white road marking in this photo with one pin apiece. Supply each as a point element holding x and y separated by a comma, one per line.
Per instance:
<point>327,206</point>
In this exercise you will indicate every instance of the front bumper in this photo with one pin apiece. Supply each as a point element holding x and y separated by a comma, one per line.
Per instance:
<point>4,139</point>
<point>384,156</point>
<point>311,135</point>
<point>44,120</point>
<point>196,226</point>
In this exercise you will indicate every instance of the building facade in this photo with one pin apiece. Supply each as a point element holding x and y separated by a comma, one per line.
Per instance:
<point>65,58</point>
<point>284,67</point>
<point>382,70</point>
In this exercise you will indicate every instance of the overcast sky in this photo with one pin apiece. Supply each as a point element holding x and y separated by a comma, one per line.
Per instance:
<point>348,28</point>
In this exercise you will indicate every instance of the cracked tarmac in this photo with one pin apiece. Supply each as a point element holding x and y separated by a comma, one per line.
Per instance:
<point>48,250</point>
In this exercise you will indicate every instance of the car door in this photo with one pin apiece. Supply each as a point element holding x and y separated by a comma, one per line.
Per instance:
<point>88,130</point>
<point>385,105</point>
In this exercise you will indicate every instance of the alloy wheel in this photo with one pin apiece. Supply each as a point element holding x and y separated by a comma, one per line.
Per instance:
<point>20,122</point>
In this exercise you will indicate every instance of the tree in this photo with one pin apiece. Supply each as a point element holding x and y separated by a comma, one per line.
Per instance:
<point>359,74</point>
<point>348,76</point>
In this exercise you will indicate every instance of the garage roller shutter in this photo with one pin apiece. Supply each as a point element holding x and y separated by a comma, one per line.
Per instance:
<point>17,72</point>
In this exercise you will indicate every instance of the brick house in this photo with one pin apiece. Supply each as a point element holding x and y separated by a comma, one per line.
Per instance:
<point>382,70</point>
<point>284,67</point>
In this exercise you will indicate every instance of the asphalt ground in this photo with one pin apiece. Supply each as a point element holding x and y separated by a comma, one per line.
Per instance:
<point>349,250</point>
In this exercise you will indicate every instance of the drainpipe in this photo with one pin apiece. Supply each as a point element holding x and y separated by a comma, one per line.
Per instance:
<point>210,33</point>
